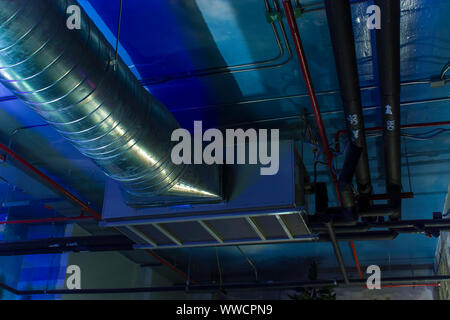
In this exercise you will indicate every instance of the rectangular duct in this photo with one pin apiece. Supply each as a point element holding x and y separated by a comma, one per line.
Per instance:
<point>257,209</point>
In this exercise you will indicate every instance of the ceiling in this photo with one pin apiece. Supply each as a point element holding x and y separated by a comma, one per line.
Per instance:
<point>179,49</point>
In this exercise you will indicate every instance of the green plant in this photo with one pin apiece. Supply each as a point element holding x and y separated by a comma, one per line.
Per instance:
<point>310,293</point>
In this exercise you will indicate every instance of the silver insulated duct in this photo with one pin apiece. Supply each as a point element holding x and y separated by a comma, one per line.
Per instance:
<point>67,76</point>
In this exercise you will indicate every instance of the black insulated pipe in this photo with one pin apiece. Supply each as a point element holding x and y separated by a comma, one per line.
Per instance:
<point>440,224</point>
<point>348,213</point>
<point>388,51</point>
<point>337,251</point>
<point>233,286</point>
<point>352,157</point>
<point>362,236</point>
<point>341,33</point>
<point>377,211</point>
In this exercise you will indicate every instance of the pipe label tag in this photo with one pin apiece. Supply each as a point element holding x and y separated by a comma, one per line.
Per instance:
<point>388,109</point>
<point>353,119</point>
<point>390,125</point>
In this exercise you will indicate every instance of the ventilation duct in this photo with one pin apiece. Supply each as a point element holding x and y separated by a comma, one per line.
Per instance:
<point>67,76</point>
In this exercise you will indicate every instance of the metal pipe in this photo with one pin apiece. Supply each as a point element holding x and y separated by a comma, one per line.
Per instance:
<point>66,244</point>
<point>300,95</point>
<point>355,256</point>
<point>339,19</point>
<point>405,126</point>
<point>171,266</point>
<point>393,225</point>
<point>50,181</point>
<point>70,79</point>
<point>289,11</point>
<point>337,251</point>
<point>123,243</point>
<point>250,262</point>
<point>411,285</point>
<point>352,160</point>
<point>306,75</point>
<point>363,236</point>
<point>47,220</point>
<point>76,200</point>
<point>385,196</point>
<point>388,52</point>
<point>341,31</point>
<point>377,210</point>
<point>412,281</point>
<point>244,67</point>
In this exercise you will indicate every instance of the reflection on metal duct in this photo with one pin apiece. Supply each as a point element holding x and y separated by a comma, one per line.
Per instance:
<point>67,77</point>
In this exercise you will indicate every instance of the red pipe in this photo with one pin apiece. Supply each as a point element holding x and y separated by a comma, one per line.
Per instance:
<point>356,259</point>
<point>406,195</point>
<point>312,97</point>
<point>406,126</point>
<point>73,198</point>
<point>46,178</point>
<point>170,266</point>
<point>309,86</point>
